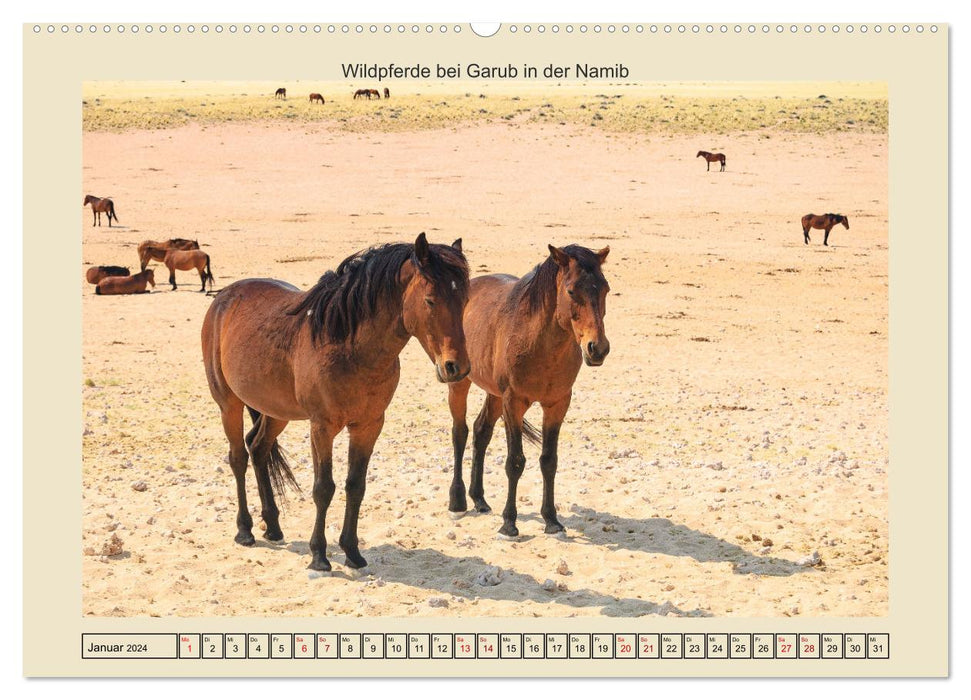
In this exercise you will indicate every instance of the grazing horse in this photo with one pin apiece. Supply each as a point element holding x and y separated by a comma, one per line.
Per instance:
<point>316,97</point>
<point>330,356</point>
<point>363,92</point>
<point>387,94</point>
<point>823,221</point>
<point>281,94</point>
<point>156,250</point>
<point>712,158</point>
<point>133,284</point>
<point>99,272</point>
<point>189,260</point>
<point>375,94</point>
<point>99,206</point>
<point>527,339</point>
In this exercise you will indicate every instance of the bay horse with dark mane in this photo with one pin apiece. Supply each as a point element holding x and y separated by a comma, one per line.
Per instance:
<point>330,356</point>
<point>100,206</point>
<point>823,221</point>
<point>527,339</point>
<point>363,92</point>
<point>387,94</point>
<point>280,94</point>
<point>712,158</point>
<point>99,272</point>
<point>189,260</point>
<point>156,250</point>
<point>316,97</point>
<point>132,284</point>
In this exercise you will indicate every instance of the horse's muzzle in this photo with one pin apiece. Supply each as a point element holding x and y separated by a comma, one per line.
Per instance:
<point>450,371</point>
<point>594,354</point>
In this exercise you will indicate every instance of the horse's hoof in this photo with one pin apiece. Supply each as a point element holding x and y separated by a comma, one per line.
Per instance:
<point>482,507</point>
<point>509,530</point>
<point>456,515</point>
<point>245,538</point>
<point>458,505</point>
<point>319,564</point>
<point>273,535</point>
<point>553,528</point>
<point>355,560</point>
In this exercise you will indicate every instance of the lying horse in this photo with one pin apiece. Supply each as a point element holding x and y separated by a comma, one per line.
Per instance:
<point>822,221</point>
<point>527,339</point>
<point>99,272</point>
<point>156,250</point>
<point>100,206</point>
<point>281,93</point>
<point>316,97</point>
<point>189,260</point>
<point>133,284</point>
<point>712,158</point>
<point>328,355</point>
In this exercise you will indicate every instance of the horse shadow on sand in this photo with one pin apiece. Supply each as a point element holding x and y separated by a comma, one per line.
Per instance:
<point>457,576</point>
<point>662,536</point>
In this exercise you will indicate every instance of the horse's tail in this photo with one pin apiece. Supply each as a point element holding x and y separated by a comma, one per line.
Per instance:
<point>97,290</point>
<point>209,278</point>
<point>111,210</point>
<point>281,476</point>
<point>532,433</point>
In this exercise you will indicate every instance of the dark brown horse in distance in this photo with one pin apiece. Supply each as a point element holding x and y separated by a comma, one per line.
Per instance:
<point>189,260</point>
<point>99,272</point>
<point>712,158</point>
<point>375,94</point>
<point>316,97</point>
<point>156,250</point>
<point>387,94</point>
<point>822,221</point>
<point>363,92</point>
<point>133,284</point>
<point>527,339</point>
<point>280,94</point>
<point>330,356</point>
<point>100,206</point>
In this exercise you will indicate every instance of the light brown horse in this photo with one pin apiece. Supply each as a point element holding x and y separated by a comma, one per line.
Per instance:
<point>100,206</point>
<point>387,94</point>
<point>712,158</point>
<point>133,284</point>
<point>823,221</point>
<point>156,250</point>
<point>189,260</point>
<point>99,272</point>
<point>527,339</point>
<point>375,94</point>
<point>328,355</point>
<point>280,94</point>
<point>316,97</point>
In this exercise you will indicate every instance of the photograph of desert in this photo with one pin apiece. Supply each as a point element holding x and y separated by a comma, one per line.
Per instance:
<point>729,457</point>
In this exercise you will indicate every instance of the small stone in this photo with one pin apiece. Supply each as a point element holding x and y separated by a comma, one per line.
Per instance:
<point>437,603</point>
<point>549,585</point>
<point>766,542</point>
<point>113,546</point>
<point>139,486</point>
<point>811,560</point>
<point>492,576</point>
<point>562,569</point>
<point>450,535</point>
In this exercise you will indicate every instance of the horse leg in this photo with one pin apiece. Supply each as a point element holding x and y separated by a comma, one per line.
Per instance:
<point>513,410</point>
<point>232,415</point>
<point>723,166</point>
<point>805,233</point>
<point>458,399</point>
<point>481,436</point>
<point>553,416</point>
<point>362,437</point>
<point>172,278</point>
<point>261,441</point>
<point>322,449</point>
<point>202,276</point>
<point>708,164</point>
<point>826,236</point>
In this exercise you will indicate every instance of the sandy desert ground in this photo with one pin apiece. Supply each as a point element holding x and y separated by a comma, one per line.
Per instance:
<point>738,428</point>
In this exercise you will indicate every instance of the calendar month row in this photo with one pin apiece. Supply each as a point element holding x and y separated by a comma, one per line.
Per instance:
<point>512,646</point>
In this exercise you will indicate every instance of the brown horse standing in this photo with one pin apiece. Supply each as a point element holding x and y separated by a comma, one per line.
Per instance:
<point>375,94</point>
<point>328,355</point>
<point>100,206</point>
<point>823,221</point>
<point>363,92</point>
<point>133,284</point>
<point>156,250</point>
<point>387,94</point>
<point>189,260</point>
<point>281,94</point>
<point>99,272</point>
<point>527,339</point>
<point>316,97</point>
<point>712,158</point>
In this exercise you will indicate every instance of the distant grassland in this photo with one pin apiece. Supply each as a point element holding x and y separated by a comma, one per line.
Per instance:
<point>677,108</point>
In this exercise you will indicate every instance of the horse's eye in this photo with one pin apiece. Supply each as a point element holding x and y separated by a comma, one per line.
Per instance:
<point>429,301</point>
<point>571,293</point>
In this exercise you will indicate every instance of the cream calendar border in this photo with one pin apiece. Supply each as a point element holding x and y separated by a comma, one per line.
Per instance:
<point>913,64</point>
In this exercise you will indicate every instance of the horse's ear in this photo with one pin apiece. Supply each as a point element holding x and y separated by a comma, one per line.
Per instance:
<point>602,254</point>
<point>560,257</point>
<point>457,244</point>
<point>421,249</point>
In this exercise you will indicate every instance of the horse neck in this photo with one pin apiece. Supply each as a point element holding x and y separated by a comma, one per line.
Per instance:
<point>380,339</point>
<point>541,329</point>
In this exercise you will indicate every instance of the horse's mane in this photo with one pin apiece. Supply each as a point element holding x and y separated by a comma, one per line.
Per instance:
<point>342,299</point>
<point>537,288</point>
<point>115,270</point>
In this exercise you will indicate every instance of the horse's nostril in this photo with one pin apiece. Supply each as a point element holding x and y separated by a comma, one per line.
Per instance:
<point>451,369</point>
<point>591,348</point>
